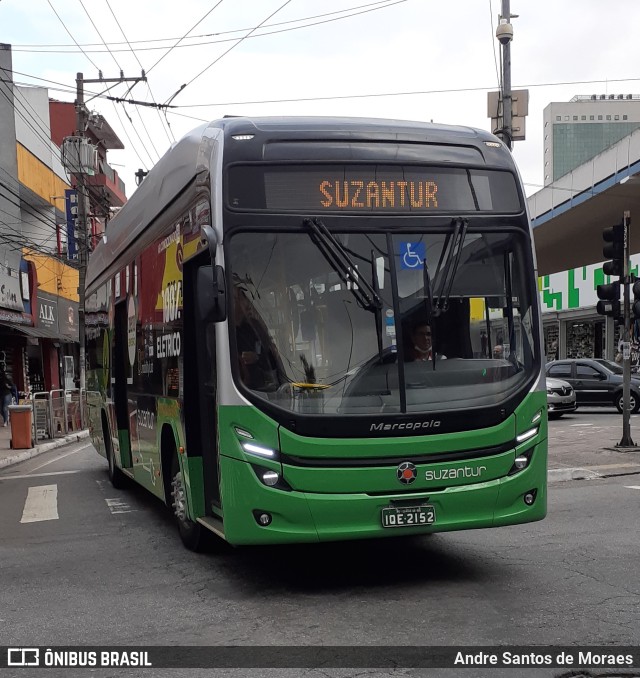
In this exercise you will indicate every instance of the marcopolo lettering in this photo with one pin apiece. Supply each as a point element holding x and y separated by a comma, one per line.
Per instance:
<point>406,425</point>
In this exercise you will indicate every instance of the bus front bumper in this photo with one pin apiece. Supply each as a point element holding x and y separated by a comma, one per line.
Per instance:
<point>303,517</point>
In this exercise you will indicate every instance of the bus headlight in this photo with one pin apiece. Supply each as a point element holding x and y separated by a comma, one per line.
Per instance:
<point>521,461</point>
<point>271,478</point>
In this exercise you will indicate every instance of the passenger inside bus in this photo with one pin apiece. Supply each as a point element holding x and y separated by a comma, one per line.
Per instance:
<point>259,362</point>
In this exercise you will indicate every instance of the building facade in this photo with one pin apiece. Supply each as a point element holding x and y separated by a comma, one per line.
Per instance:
<point>572,327</point>
<point>39,319</point>
<point>577,130</point>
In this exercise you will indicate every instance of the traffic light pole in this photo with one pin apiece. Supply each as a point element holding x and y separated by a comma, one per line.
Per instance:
<point>626,347</point>
<point>616,245</point>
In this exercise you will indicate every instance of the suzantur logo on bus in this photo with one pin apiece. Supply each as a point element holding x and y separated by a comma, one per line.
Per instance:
<point>454,473</point>
<point>406,425</point>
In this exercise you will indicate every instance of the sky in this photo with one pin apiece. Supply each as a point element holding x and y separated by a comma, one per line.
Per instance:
<point>425,60</point>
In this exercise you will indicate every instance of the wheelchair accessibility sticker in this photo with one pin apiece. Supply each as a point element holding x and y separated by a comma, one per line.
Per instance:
<point>412,254</point>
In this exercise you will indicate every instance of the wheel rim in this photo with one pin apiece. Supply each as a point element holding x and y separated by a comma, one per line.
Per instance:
<point>179,497</point>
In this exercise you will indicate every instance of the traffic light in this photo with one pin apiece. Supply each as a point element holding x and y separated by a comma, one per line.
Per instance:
<point>613,249</point>
<point>610,299</point>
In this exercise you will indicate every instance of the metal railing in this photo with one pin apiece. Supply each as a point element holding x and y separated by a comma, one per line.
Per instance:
<point>57,413</point>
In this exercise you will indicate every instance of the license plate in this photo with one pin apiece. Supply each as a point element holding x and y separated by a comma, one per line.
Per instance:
<point>408,516</point>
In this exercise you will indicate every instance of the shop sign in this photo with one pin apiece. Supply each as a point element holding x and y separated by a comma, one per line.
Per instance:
<point>47,318</point>
<point>71,213</point>
<point>68,319</point>
<point>14,317</point>
<point>10,293</point>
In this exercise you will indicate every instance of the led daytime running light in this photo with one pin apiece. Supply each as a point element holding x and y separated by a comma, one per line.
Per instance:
<point>527,435</point>
<point>260,451</point>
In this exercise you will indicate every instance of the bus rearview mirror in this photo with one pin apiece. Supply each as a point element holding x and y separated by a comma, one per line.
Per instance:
<point>211,294</point>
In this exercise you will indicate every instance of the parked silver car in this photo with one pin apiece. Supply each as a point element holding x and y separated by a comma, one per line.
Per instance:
<point>561,398</point>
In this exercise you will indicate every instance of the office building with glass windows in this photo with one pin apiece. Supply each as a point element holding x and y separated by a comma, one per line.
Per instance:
<point>577,130</point>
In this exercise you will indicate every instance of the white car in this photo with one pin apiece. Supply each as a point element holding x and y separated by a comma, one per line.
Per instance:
<point>561,398</point>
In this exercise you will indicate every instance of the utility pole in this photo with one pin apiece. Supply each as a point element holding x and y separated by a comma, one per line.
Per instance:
<point>504,33</point>
<point>83,208</point>
<point>81,231</point>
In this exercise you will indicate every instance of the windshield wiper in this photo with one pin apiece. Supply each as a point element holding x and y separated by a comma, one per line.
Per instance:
<point>428,308</point>
<point>343,265</point>
<point>509,311</point>
<point>453,249</point>
<point>378,310</point>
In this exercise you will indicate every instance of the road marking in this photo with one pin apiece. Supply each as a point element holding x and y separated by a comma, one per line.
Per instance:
<point>633,487</point>
<point>119,506</point>
<point>46,463</point>
<point>41,504</point>
<point>38,475</point>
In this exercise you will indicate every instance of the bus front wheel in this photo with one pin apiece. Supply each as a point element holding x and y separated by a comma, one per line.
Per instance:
<point>116,476</point>
<point>192,534</point>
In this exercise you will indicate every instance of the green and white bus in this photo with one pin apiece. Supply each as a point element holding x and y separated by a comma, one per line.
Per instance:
<point>315,329</point>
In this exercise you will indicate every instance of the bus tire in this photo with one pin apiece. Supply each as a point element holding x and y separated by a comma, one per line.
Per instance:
<point>116,476</point>
<point>192,534</point>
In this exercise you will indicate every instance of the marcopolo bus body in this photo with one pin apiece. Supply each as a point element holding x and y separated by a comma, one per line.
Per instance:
<point>309,329</point>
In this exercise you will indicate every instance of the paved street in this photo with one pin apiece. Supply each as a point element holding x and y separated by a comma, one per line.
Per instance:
<point>84,564</point>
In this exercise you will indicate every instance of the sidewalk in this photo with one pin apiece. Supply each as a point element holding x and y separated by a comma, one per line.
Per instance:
<point>8,457</point>
<point>579,450</point>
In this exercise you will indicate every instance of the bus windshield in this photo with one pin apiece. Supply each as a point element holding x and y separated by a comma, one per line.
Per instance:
<point>452,326</point>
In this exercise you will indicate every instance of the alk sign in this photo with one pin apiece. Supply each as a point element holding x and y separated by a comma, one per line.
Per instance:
<point>47,314</point>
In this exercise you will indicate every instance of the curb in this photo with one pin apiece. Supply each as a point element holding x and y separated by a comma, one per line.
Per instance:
<point>558,475</point>
<point>23,455</point>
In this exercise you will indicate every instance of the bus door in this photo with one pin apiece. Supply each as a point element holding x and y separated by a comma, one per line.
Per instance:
<point>200,398</point>
<point>120,374</point>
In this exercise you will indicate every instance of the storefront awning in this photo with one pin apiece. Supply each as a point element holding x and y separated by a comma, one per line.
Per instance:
<point>39,332</point>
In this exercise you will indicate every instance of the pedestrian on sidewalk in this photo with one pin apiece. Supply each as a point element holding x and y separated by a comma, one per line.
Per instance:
<point>6,396</point>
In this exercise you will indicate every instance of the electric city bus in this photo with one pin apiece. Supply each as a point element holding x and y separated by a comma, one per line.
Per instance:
<point>316,329</point>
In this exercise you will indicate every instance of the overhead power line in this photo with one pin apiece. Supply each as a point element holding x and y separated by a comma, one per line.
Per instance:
<point>382,4</point>
<point>164,121</point>
<point>184,36</point>
<point>71,36</point>
<point>97,30</point>
<point>454,90</point>
<point>215,61</point>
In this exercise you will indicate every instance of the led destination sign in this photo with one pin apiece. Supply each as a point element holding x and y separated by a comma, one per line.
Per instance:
<point>370,189</point>
<point>378,194</point>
